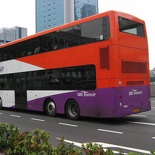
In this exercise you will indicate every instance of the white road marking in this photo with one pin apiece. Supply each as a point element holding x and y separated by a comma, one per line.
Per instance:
<point>110,131</point>
<point>15,116</point>
<point>72,125</point>
<point>1,113</point>
<point>106,146</point>
<point>36,119</point>
<point>143,123</point>
<point>153,137</point>
<point>139,115</point>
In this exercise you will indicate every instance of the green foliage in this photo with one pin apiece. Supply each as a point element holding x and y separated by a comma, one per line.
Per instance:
<point>36,143</point>
<point>64,149</point>
<point>152,152</point>
<point>31,143</point>
<point>8,134</point>
<point>90,149</point>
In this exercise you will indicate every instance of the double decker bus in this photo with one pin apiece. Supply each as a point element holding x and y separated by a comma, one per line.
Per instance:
<point>94,67</point>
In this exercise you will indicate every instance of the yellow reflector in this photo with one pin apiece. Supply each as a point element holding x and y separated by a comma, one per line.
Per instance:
<point>135,110</point>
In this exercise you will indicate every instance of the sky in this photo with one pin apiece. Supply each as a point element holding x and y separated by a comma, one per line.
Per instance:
<point>22,13</point>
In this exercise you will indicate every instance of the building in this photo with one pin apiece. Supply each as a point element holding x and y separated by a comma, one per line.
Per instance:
<point>52,13</point>
<point>10,34</point>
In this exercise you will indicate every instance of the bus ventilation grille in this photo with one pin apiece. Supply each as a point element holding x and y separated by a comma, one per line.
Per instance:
<point>104,58</point>
<point>134,83</point>
<point>131,67</point>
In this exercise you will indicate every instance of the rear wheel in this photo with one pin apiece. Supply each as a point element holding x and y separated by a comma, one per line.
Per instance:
<point>72,110</point>
<point>0,103</point>
<point>50,108</point>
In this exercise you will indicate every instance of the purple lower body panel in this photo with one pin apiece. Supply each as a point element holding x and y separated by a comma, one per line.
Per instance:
<point>102,103</point>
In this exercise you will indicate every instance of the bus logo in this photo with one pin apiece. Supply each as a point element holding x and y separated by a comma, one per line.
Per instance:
<point>135,92</point>
<point>85,94</point>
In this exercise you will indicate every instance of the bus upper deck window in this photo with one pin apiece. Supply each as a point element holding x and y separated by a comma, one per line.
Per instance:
<point>131,27</point>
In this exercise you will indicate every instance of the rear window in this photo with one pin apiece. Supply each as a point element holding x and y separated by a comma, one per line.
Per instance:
<point>131,27</point>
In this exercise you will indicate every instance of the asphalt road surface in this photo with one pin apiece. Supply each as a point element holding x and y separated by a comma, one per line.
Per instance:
<point>135,133</point>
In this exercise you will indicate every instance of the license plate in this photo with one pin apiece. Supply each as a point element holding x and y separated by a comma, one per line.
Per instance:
<point>135,110</point>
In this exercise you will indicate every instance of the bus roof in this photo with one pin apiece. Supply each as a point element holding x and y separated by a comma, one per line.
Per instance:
<point>68,25</point>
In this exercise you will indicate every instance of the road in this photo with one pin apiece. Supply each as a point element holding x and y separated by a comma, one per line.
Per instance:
<point>134,133</point>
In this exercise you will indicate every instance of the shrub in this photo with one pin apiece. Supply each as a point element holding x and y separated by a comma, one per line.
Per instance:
<point>64,149</point>
<point>36,143</point>
<point>90,149</point>
<point>33,143</point>
<point>8,134</point>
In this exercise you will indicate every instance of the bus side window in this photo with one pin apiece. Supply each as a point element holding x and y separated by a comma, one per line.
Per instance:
<point>37,49</point>
<point>55,43</point>
<point>51,44</point>
<point>29,52</point>
<point>54,77</point>
<point>46,47</point>
<point>23,53</point>
<point>61,43</point>
<point>67,43</point>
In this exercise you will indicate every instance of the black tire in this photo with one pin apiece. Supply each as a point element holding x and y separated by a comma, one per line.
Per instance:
<point>1,105</point>
<point>50,108</point>
<point>72,110</point>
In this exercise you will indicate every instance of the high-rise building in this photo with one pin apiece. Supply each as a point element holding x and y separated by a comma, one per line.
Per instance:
<point>10,34</point>
<point>52,13</point>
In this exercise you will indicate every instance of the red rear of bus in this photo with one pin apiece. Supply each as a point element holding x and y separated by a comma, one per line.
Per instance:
<point>124,67</point>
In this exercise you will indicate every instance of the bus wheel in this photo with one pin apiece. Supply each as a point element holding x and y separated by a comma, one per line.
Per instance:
<point>1,103</point>
<point>72,110</point>
<point>50,108</point>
